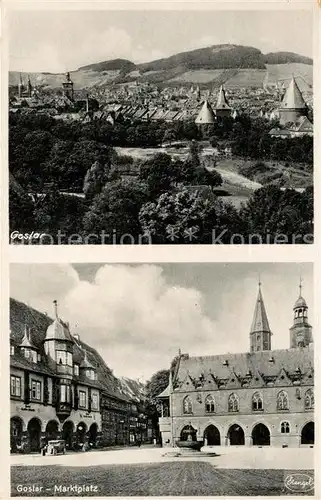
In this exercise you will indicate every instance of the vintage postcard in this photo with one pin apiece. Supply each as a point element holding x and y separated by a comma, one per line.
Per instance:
<point>161,126</point>
<point>161,379</point>
<point>149,363</point>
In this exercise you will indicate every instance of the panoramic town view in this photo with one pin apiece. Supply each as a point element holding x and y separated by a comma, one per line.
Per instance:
<point>107,399</point>
<point>121,135</point>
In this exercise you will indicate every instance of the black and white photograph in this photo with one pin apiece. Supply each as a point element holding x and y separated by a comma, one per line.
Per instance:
<point>140,127</point>
<point>171,379</point>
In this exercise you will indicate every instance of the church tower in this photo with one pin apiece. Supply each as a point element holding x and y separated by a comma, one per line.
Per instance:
<point>222,107</point>
<point>68,87</point>
<point>300,331</point>
<point>260,334</point>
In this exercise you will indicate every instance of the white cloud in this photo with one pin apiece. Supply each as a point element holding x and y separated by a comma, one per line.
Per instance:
<point>135,319</point>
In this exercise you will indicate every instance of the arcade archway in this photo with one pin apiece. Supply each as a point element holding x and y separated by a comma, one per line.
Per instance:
<point>52,430</point>
<point>236,435</point>
<point>307,434</point>
<point>92,434</point>
<point>212,436</point>
<point>81,433</point>
<point>68,433</point>
<point>34,433</point>
<point>16,429</point>
<point>261,435</point>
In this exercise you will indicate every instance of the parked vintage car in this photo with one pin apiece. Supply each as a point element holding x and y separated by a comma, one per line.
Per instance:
<point>56,446</point>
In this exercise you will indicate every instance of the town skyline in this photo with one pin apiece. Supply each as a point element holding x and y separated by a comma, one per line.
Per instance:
<point>94,36</point>
<point>149,312</point>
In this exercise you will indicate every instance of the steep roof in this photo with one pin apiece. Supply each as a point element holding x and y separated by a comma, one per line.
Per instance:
<point>26,340</point>
<point>267,363</point>
<point>221,99</point>
<point>293,98</point>
<point>260,321</point>
<point>22,314</point>
<point>206,114</point>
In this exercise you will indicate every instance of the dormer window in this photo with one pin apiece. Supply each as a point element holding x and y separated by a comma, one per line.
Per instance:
<point>64,358</point>
<point>29,354</point>
<point>76,370</point>
<point>91,374</point>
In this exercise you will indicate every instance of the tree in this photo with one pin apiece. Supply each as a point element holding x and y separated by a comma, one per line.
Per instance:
<point>59,212</point>
<point>154,387</point>
<point>161,173</point>
<point>278,216</point>
<point>95,179</point>
<point>188,215</point>
<point>115,211</point>
<point>21,209</point>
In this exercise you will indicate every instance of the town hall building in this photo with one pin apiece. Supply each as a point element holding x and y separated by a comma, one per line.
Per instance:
<point>263,397</point>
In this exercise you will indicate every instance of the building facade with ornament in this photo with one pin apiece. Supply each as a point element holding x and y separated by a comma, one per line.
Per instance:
<point>263,397</point>
<point>61,388</point>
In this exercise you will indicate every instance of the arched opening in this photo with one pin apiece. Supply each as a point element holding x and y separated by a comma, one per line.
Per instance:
<point>67,433</point>
<point>81,433</point>
<point>92,434</point>
<point>260,435</point>
<point>34,433</point>
<point>212,436</point>
<point>16,428</point>
<point>307,434</point>
<point>52,430</point>
<point>236,435</point>
<point>188,433</point>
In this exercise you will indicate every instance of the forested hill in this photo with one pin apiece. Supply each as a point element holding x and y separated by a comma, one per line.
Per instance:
<point>221,64</point>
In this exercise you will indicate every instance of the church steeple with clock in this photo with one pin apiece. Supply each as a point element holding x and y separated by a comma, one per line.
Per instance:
<point>301,330</point>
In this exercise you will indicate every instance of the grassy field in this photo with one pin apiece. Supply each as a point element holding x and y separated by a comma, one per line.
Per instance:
<point>181,478</point>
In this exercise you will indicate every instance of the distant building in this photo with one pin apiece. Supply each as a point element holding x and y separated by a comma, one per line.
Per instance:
<point>68,87</point>
<point>222,107</point>
<point>24,91</point>
<point>206,116</point>
<point>60,388</point>
<point>293,105</point>
<point>263,397</point>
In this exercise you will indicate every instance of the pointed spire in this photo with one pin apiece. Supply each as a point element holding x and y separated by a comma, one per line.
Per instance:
<point>300,286</point>
<point>26,341</point>
<point>221,99</point>
<point>55,303</point>
<point>206,115</point>
<point>300,302</point>
<point>260,321</point>
<point>170,382</point>
<point>293,98</point>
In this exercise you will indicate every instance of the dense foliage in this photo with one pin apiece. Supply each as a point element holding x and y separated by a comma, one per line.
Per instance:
<point>68,177</point>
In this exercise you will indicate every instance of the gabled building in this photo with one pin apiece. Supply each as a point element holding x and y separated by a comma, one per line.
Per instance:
<point>222,108</point>
<point>264,397</point>
<point>60,387</point>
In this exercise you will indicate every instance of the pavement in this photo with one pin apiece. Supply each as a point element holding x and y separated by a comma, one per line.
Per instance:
<point>224,457</point>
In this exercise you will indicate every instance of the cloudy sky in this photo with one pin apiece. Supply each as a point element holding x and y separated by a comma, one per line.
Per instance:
<point>57,41</point>
<point>138,316</point>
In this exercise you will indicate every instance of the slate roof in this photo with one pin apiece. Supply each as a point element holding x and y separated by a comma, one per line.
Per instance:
<point>221,102</point>
<point>206,115</point>
<point>260,321</point>
<point>267,363</point>
<point>22,314</point>
<point>293,98</point>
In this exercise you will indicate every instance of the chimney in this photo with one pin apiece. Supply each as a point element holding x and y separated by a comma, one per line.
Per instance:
<point>77,337</point>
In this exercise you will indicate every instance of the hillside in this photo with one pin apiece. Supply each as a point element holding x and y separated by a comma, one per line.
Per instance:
<point>231,65</point>
<point>215,57</point>
<point>286,57</point>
